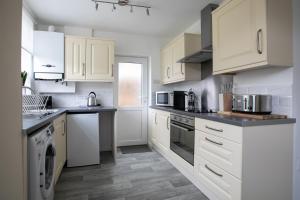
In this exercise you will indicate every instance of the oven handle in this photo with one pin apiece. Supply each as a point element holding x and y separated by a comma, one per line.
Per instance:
<point>182,128</point>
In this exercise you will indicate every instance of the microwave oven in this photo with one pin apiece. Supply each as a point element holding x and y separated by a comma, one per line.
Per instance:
<point>164,99</point>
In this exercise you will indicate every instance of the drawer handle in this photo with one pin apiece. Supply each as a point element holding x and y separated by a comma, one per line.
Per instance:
<point>214,129</point>
<point>217,143</point>
<point>207,167</point>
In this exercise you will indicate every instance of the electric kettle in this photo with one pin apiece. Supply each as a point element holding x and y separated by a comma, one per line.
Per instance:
<point>91,100</point>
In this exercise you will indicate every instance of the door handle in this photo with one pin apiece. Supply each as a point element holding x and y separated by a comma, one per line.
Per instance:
<point>64,128</point>
<point>214,142</point>
<point>259,41</point>
<point>168,70</point>
<point>155,118</point>
<point>214,129</point>
<point>218,174</point>
<point>182,69</point>
<point>182,128</point>
<point>83,69</point>
<point>168,123</point>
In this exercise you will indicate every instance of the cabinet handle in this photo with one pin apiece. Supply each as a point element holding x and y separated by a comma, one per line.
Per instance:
<point>155,118</point>
<point>168,123</point>
<point>83,69</point>
<point>64,128</point>
<point>214,142</point>
<point>112,70</point>
<point>168,70</point>
<point>182,69</point>
<point>207,167</point>
<point>214,129</point>
<point>259,41</point>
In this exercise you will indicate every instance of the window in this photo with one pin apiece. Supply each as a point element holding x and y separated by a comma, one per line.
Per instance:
<point>130,85</point>
<point>27,46</point>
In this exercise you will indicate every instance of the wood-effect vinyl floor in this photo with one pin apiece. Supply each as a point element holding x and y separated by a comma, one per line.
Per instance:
<point>137,176</point>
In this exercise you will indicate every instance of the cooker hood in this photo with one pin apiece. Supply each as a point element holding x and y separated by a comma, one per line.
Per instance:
<point>205,53</point>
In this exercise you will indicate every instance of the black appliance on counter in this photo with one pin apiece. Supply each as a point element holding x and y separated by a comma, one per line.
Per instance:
<point>180,100</point>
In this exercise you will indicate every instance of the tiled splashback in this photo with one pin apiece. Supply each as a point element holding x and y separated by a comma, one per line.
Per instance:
<point>104,92</point>
<point>281,96</point>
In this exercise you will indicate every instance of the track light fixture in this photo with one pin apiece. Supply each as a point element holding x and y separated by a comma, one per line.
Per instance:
<point>122,3</point>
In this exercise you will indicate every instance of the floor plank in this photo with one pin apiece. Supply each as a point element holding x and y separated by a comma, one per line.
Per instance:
<point>136,176</point>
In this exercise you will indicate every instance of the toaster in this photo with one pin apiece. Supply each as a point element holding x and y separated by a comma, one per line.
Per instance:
<point>256,104</point>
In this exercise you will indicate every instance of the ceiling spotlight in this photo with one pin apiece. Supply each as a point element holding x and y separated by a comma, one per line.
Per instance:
<point>122,3</point>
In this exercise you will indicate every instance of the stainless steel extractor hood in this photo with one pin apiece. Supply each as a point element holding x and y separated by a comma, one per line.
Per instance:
<point>205,53</point>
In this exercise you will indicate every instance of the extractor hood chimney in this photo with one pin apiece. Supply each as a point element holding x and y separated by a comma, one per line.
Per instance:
<point>205,53</point>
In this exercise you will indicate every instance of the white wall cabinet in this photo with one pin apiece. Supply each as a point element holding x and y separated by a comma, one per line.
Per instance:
<point>244,163</point>
<point>184,45</point>
<point>249,34</point>
<point>60,139</point>
<point>89,59</point>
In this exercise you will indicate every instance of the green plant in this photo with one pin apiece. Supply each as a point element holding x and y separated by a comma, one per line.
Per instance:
<point>24,77</point>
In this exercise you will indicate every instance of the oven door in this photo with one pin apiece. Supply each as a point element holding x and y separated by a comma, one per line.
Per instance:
<point>182,141</point>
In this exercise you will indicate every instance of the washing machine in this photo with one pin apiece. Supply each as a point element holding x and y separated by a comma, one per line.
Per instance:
<point>41,164</point>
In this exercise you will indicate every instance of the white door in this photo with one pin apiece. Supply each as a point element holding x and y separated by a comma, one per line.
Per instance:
<point>131,91</point>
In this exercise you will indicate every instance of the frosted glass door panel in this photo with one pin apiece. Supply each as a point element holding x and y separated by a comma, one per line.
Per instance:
<point>130,85</point>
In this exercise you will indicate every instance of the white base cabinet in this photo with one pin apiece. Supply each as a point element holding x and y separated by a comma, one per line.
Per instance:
<point>60,138</point>
<point>160,129</point>
<point>232,162</point>
<point>244,163</point>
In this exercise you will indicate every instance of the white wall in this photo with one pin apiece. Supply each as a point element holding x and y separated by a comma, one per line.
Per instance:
<point>126,45</point>
<point>11,167</point>
<point>296,98</point>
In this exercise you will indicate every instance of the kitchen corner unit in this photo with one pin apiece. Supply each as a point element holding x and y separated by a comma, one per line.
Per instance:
<point>89,59</point>
<point>182,46</point>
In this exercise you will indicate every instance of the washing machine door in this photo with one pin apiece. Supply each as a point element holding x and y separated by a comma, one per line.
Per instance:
<point>47,170</point>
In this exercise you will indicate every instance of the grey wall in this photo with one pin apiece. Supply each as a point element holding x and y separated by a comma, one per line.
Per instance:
<point>11,167</point>
<point>296,98</point>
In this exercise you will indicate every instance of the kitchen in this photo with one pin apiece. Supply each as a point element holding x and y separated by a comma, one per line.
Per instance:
<point>231,153</point>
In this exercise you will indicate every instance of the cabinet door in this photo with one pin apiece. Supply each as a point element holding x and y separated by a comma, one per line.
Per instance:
<point>75,58</point>
<point>163,132</point>
<point>239,34</point>
<point>60,144</point>
<point>178,70</point>
<point>99,60</point>
<point>166,64</point>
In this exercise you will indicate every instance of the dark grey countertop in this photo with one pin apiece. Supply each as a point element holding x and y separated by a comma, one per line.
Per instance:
<point>32,125</point>
<point>236,121</point>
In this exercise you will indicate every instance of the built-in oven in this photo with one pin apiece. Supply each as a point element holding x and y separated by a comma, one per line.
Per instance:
<point>182,139</point>
<point>164,98</point>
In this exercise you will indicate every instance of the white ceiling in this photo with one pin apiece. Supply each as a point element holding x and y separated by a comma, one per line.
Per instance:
<point>168,17</point>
